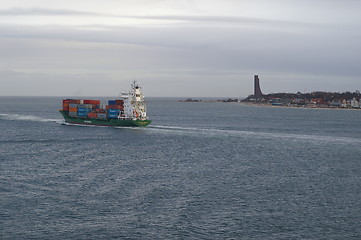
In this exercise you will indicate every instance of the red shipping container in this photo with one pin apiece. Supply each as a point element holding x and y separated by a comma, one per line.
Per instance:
<point>89,101</point>
<point>119,102</point>
<point>93,102</point>
<point>120,107</point>
<point>73,101</point>
<point>93,115</point>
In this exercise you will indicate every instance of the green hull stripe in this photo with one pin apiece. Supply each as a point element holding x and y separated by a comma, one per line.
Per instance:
<point>105,122</point>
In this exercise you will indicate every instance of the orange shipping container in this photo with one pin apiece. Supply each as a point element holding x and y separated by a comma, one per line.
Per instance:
<point>73,109</point>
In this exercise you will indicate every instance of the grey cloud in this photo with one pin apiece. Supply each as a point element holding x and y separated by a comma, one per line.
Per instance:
<point>211,19</point>
<point>185,18</point>
<point>43,12</point>
<point>199,47</point>
<point>175,36</point>
<point>185,50</point>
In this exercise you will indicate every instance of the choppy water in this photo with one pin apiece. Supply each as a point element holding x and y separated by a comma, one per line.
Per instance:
<point>200,171</point>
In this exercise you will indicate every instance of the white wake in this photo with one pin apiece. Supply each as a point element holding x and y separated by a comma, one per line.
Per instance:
<point>20,117</point>
<point>244,133</point>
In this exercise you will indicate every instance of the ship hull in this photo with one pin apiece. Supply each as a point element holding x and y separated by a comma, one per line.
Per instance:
<point>105,122</point>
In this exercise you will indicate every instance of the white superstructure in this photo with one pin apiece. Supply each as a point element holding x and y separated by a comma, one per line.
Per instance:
<point>134,104</point>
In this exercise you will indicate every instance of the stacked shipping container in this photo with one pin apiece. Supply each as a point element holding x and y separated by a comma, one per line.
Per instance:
<point>115,108</point>
<point>93,109</point>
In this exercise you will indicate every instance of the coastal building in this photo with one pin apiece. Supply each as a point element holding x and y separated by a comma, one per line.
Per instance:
<point>316,99</point>
<point>354,103</point>
<point>334,104</point>
<point>344,103</point>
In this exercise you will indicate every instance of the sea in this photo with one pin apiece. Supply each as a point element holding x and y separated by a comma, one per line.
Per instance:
<point>201,170</point>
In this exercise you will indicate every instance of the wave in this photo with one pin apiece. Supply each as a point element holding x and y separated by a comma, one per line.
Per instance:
<point>94,126</point>
<point>264,135</point>
<point>203,131</point>
<point>20,117</point>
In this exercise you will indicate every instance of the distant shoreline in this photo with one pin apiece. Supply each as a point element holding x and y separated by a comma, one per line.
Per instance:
<point>268,105</point>
<point>300,107</point>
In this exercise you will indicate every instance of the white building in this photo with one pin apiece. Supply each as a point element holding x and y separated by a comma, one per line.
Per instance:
<point>355,103</point>
<point>344,103</point>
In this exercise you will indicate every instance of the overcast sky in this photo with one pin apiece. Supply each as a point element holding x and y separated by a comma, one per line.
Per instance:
<point>181,48</point>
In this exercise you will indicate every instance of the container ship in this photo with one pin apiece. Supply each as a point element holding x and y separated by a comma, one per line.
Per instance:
<point>128,111</point>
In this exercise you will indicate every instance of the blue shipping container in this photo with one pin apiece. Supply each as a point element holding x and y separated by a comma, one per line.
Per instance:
<point>111,102</point>
<point>102,115</point>
<point>113,113</point>
<point>110,111</point>
<point>82,114</point>
<point>84,109</point>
